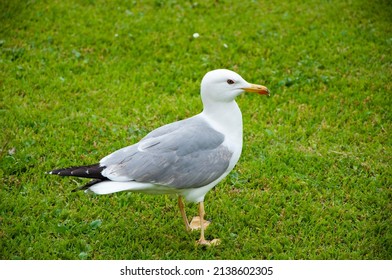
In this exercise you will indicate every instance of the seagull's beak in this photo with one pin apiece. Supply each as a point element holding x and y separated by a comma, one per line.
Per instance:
<point>257,88</point>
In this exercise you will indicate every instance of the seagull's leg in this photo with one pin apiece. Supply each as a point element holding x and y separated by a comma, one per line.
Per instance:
<point>197,221</point>
<point>202,240</point>
<point>183,214</point>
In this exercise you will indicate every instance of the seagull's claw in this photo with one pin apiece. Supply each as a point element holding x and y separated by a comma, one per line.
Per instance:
<point>195,223</point>
<point>213,242</point>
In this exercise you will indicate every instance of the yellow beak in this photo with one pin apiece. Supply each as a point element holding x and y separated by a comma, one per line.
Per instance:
<point>258,89</point>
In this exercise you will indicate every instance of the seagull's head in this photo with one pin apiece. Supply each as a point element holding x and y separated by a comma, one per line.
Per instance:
<point>223,85</point>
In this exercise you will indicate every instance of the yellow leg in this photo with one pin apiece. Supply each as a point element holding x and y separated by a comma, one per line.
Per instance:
<point>202,240</point>
<point>197,223</point>
<point>183,214</point>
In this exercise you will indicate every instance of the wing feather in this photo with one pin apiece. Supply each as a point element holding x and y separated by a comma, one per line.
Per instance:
<point>184,154</point>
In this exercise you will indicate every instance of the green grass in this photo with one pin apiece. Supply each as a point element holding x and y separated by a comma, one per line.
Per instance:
<point>80,79</point>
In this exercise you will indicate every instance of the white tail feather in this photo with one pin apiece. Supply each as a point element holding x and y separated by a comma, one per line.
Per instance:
<point>107,187</point>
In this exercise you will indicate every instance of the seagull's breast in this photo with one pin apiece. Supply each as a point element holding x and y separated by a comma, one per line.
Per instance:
<point>227,119</point>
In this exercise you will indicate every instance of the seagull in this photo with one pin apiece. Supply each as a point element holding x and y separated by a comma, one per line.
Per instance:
<point>186,158</point>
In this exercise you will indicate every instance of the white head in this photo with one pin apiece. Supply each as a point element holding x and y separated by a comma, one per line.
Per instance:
<point>224,86</point>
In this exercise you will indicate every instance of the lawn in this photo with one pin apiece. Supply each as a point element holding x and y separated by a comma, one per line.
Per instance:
<point>80,79</point>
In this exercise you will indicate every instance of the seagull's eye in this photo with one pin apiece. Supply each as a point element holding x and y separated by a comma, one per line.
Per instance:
<point>230,81</point>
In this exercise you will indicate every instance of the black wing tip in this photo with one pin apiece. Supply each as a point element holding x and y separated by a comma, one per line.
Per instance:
<point>59,172</point>
<point>53,172</point>
<point>88,171</point>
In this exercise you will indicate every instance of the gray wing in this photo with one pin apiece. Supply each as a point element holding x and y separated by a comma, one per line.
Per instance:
<point>184,154</point>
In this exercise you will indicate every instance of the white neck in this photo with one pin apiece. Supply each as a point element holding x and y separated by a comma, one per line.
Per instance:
<point>225,117</point>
